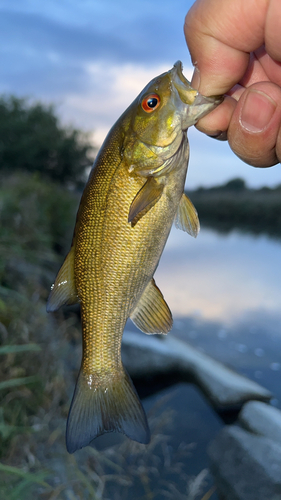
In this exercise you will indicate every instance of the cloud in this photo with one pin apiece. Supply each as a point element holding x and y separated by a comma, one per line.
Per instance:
<point>131,35</point>
<point>111,89</point>
<point>36,33</point>
<point>92,58</point>
<point>46,51</point>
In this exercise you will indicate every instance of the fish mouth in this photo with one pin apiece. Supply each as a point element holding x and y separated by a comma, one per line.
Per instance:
<point>201,99</point>
<point>196,105</point>
<point>186,92</point>
<point>201,106</point>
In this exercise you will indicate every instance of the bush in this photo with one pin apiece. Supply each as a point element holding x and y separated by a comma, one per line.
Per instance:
<point>36,218</point>
<point>31,139</point>
<point>234,185</point>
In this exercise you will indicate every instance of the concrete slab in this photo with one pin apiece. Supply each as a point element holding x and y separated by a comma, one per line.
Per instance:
<point>245,466</point>
<point>151,355</point>
<point>262,419</point>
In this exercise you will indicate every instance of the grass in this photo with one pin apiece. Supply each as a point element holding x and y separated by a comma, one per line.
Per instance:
<point>124,471</point>
<point>30,244</point>
<point>22,482</point>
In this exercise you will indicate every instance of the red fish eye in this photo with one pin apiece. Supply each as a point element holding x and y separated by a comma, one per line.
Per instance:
<point>150,103</point>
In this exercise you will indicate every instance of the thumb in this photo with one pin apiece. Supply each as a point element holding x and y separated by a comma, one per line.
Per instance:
<point>254,132</point>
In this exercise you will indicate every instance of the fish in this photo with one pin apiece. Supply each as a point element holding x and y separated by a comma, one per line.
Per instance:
<point>134,193</point>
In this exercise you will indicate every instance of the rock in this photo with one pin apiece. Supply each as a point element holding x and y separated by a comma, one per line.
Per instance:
<point>263,419</point>
<point>245,466</point>
<point>151,355</point>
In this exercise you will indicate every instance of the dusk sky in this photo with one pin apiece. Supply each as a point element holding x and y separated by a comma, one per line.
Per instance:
<point>92,57</point>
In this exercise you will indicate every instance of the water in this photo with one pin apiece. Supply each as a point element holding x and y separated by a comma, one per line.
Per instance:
<point>220,278</point>
<point>225,295</point>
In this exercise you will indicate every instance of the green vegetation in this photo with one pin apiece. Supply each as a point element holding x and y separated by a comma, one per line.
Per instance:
<point>36,221</point>
<point>234,206</point>
<point>32,139</point>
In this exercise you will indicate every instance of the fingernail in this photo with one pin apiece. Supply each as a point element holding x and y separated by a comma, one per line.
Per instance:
<point>195,81</point>
<point>257,111</point>
<point>220,136</point>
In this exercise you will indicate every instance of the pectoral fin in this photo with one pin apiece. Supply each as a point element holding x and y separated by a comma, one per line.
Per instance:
<point>145,199</point>
<point>187,217</point>
<point>152,314</point>
<point>63,290</point>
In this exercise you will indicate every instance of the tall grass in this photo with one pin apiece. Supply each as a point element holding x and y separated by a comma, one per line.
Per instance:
<point>35,223</point>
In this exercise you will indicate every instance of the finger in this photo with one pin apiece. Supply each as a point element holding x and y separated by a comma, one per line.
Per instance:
<point>271,68</point>
<point>220,35</point>
<point>254,73</point>
<point>254,129</point>
<point>236,92</point>
<point>218,120</point>
<point>273,30</point>
<point>215,124</point>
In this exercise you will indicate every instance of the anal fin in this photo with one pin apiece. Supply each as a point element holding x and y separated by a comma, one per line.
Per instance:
<point>152,313</point>
<point>63,291</point>
<point>187,218</point>
<point>145,199</point>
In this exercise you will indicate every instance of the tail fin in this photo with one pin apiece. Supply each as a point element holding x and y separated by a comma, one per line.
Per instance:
<point>98,407</point>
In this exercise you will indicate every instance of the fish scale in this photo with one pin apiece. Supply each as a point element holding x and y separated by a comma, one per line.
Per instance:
<point>133,195</point>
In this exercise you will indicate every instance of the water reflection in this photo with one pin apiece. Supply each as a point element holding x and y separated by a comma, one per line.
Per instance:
<point>220,277</point>
<point>225,295</point>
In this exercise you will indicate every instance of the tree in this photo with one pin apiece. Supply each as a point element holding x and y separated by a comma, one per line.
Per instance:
<point>236,184</point>
<point>32,139</point>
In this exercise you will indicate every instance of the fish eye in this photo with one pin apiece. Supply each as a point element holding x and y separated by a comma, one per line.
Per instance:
<point>150,103</point>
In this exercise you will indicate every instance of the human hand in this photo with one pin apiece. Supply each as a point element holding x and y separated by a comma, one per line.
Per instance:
<point>236,49</point>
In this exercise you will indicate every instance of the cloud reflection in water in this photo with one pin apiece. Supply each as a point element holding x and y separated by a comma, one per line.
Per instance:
<point>220,277</point>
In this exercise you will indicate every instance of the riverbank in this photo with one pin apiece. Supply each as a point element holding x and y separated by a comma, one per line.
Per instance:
<point>234,206</point>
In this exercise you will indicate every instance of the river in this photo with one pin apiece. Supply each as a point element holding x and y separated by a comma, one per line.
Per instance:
<point>225,295</point>
<point>224,291</point>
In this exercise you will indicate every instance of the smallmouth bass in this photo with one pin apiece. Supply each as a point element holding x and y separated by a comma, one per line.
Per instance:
<point>134,194</point>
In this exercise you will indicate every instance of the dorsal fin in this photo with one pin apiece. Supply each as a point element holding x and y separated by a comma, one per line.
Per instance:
<point>63,290</point>
<point>187,218</point>
<point>152,314</point>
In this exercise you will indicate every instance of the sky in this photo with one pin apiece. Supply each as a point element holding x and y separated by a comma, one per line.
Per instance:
<point>91,58</point>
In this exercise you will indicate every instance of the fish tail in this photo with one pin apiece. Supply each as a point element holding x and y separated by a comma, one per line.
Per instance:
<point>101,404</point>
